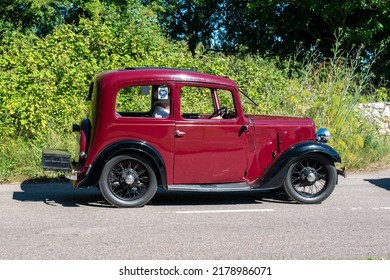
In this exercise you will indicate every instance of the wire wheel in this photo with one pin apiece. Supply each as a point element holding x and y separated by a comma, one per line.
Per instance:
<point>311,179</point>
<point>128,181</point>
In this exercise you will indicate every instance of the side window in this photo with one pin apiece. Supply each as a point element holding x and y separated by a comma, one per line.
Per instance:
<point>144,101</point>
<point>207,103</point>
<point>226,100</point>
<point>196,102</point>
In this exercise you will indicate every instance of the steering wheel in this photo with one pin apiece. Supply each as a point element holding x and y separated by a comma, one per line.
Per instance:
<point>219,112</point>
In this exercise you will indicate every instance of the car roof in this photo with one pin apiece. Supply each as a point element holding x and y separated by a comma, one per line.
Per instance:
<point>155,74</point>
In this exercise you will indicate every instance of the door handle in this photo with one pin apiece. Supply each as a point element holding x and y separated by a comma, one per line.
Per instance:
<point>179,133</point>
<point>244,128</point>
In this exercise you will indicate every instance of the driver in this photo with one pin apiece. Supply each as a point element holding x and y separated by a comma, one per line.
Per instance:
<point>161,109</point>
<point>217,118</point>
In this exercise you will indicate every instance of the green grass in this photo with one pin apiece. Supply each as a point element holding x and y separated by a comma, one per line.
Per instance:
<point>21,159</point>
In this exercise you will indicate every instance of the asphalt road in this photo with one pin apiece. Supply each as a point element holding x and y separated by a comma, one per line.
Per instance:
<point>51,220</point>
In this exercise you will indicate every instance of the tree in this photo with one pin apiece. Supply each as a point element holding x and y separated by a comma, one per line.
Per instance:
<point>39,16</point>
<point>42,16</point>
<point>279,27</point>
<point>190,21</point>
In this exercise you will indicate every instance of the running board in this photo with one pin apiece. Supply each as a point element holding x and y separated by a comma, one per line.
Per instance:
<point>231,187</point>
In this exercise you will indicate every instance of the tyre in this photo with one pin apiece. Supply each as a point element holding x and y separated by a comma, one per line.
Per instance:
<point>128,181</point>
<point>311,179</point>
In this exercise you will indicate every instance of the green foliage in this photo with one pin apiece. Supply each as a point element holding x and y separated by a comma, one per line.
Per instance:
<point>329,92</point>
<point>196,100</point>
<point>38,16</point>
<point>44,81</point>
<point>132,99</point>
<point>189,20</point>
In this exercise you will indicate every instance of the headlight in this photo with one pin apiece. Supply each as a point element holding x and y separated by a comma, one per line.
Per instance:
<point>323,135</point>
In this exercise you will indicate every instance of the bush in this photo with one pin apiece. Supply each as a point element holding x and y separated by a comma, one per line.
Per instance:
<point>329,91</point>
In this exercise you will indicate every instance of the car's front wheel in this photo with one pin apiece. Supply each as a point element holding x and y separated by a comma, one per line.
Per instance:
<point>128,181</point>
<point>310,179</point>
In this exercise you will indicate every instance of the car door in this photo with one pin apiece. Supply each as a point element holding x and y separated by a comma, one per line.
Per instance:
<point>208,150</point>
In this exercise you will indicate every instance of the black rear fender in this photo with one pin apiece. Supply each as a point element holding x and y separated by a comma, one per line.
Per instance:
<point>122,148</point>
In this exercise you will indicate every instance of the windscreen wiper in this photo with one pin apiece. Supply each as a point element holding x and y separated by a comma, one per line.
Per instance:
<point>247,96</point>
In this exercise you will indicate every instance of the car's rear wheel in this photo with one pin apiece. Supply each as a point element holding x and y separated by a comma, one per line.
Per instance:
<point>128,181</point>
<point>310,179</point>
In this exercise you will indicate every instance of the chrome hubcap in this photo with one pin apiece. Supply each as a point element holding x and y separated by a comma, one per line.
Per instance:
<point>129,176</point>
<point>311,177</point>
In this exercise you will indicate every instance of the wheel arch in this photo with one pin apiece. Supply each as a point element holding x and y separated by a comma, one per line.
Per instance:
<point>127,147</point>
<point>276,172</point>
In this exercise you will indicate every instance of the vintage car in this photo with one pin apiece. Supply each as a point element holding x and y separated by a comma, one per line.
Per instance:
<point>186,131</point>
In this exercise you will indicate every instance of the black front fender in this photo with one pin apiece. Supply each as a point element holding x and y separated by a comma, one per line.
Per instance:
<point>275,174</point>
<point>125,147</point>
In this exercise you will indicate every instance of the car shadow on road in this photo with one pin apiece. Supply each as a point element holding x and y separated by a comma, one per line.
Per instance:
<point>383,183</point>
<point>55,192</point>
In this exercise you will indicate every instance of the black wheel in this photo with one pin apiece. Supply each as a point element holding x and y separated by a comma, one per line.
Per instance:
<point>128,181</point>
<point>311,179</point>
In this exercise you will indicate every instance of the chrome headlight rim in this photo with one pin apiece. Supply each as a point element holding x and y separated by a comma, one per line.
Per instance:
<point>323,135</point>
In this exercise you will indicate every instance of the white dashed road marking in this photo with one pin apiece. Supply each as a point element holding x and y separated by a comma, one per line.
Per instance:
<point>225,211</point>
<point>380,208</point>
<point>265,210</point>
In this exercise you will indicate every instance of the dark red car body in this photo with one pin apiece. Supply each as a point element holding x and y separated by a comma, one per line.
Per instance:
<point>194,152</point>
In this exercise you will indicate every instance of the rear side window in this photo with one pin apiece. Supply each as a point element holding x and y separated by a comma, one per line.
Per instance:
<point>149,101</point>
